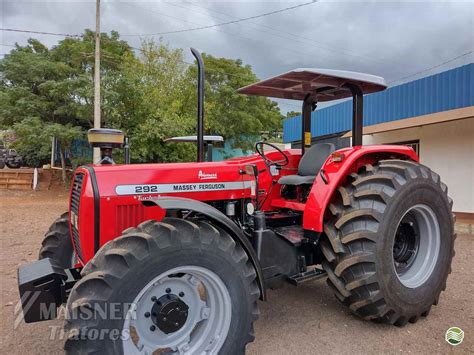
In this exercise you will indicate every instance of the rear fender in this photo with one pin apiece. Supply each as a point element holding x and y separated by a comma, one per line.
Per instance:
<point>333,174</point>
<point>220,219</point>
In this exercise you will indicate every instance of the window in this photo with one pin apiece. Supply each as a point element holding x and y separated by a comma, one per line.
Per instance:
<point>415,145</point>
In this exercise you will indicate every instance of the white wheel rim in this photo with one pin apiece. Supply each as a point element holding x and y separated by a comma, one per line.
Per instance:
<point>208,320</point>
<point>429,240</point>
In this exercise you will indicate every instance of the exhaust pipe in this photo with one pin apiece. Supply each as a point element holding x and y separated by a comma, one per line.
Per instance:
<point>200,108</point>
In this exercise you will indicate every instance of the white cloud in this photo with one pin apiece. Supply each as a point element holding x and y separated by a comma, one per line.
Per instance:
<point>391,39</point>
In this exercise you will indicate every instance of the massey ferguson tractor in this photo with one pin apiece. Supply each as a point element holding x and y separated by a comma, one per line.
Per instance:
<point>173,258</point>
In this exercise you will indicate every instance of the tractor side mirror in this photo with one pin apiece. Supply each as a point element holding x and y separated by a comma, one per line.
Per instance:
<point>105,139</point>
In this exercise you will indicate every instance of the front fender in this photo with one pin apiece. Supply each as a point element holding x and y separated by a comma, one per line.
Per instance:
<point>335,173</point>
<point>216,216</point>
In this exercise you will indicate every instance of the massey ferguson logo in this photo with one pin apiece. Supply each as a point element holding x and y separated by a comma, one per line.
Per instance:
<point>205,176</point>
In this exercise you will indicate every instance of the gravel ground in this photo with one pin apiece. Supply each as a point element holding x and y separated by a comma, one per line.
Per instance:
<point>304,320</point>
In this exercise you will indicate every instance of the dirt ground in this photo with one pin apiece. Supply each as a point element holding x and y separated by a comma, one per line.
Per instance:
<point>296,320</point>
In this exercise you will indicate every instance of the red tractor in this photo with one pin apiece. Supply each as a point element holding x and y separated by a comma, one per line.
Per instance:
<point>174,257</point>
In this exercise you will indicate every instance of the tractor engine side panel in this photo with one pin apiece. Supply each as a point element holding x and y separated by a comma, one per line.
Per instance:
<point>122,192</point>
<point>109,198</point>
<point>106,200</point>
<point>335,174</point>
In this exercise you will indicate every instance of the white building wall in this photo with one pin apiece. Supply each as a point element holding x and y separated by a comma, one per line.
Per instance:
<point>448,149</point>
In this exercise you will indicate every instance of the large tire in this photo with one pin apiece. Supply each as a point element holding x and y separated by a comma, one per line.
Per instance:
<point>123,269</point>
<point>2,164</point>
<point>13,164</point>
<point>57,243</point>
<point>390,242</point>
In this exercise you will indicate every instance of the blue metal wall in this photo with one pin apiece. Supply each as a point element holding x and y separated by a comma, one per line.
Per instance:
<point>440,92</point>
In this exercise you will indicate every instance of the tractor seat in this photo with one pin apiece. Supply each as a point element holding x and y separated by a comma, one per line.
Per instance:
<point>311,162</point>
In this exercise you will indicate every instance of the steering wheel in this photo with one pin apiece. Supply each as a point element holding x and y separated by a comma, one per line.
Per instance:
<point>279,163</point>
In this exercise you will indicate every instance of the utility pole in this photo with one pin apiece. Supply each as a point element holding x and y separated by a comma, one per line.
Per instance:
<point>96,157</point>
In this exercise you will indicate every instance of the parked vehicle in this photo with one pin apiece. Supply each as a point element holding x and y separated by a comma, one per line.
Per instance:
<point>190,248</point>
<point>10,158</point>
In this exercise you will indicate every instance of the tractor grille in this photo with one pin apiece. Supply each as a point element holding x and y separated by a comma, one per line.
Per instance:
<point>76,192</point>
<point>75,201</point>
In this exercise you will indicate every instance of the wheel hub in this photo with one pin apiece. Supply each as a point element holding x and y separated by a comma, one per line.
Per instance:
<point>169,313</point>
<point>185,310</point>
<point>406,243</point>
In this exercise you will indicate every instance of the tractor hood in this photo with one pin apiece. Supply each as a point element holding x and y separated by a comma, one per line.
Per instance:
<point>203,181</point>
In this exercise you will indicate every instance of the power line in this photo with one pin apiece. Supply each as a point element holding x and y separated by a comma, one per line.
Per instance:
<point>222,23</point>
<point>40,32</point>
<point>206,69</point>
<point>433,67</point>
<point>278,46</point>
<point>302,38</point>
<point>299,107</point>
<point>232,74</point>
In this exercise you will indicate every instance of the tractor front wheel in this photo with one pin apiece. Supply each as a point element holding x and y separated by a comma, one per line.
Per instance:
<point>174,286</point>
<point>57,243</point>
<point>390,242</point>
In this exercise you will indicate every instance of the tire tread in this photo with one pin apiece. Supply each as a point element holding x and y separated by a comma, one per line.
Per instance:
<point>346,250</point>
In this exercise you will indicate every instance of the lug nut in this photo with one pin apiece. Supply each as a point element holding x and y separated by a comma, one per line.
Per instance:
<point>181,294</point>
<point>147,314</point>
<point>152,328</point>
<point>168,290</point>
<point>153,299</point>
<point>164,319</point>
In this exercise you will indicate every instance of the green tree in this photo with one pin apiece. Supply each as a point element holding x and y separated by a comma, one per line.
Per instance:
<point>35,150</point>
<point>156,98</point>
<point>52,90</point>
<point>290,114</point>
<point>150,95</point>
<point>239,118</point>
<point>149,102</point>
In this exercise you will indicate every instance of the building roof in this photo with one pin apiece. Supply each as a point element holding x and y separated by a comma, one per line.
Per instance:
<point>328,83</point>
<point>444,91</point>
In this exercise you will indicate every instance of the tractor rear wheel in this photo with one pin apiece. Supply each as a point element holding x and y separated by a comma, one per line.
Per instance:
<point>175,286</point>
<point>57,243</point>
<point>390,242</point>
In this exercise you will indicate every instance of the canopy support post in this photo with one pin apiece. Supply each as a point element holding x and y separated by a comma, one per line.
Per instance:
<point>357,113</point>
<point>309,104</point>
